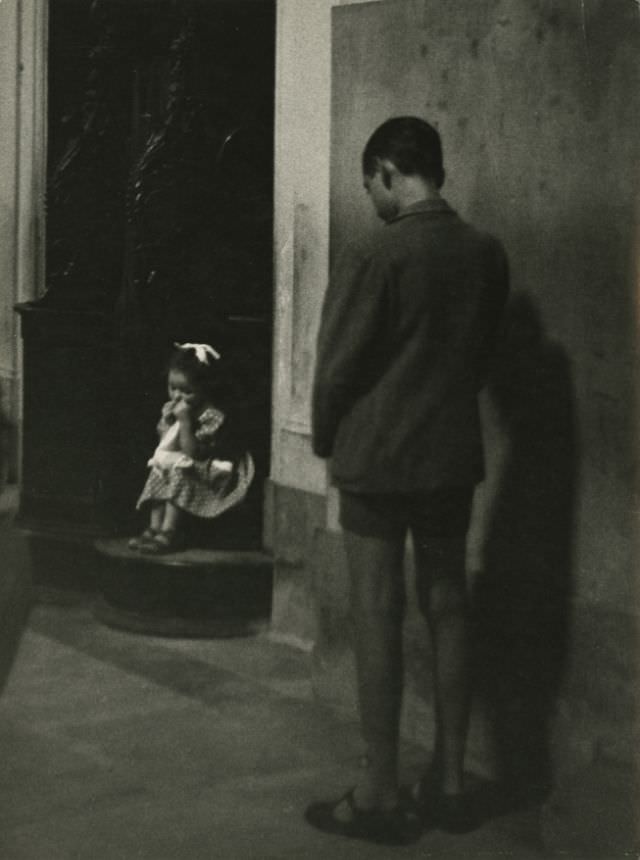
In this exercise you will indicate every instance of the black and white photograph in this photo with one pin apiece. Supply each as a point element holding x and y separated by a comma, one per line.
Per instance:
<point>319,429</point>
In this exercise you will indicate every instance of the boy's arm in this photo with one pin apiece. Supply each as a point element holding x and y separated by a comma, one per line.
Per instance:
<point>350,343</point>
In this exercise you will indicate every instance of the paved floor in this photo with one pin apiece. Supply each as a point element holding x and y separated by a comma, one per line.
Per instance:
<point>120,746</point>
<point>117,746</point>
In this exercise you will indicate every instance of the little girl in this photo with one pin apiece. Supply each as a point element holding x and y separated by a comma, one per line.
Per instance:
<point>196,467</point>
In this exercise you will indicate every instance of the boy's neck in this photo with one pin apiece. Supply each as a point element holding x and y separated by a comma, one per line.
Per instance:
<point>413,189</point>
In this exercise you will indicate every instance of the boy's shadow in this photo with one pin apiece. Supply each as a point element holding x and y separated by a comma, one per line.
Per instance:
<point>521,598</point>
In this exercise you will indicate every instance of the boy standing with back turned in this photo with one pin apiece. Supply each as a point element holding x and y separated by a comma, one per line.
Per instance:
<point>407,329</point>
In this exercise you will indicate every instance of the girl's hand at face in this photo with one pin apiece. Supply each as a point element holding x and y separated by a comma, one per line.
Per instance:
<point>181,410</point>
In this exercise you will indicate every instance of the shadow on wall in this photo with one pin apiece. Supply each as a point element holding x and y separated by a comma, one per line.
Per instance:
<point>521,599</point>
<point>15,578</point>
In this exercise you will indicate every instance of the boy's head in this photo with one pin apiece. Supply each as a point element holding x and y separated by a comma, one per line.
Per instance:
<point>411,144</point>
<point>402,164</point>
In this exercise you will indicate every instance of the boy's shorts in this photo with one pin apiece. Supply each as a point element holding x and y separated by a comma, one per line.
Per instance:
<point>442,513</point>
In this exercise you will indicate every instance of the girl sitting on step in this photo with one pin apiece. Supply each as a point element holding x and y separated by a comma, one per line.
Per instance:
<point>197,467</point>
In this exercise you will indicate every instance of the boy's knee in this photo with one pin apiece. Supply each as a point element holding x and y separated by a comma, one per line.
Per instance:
<point>441,576</point>
<point>378,597</point>
<point>441,560</point>
<point>447,600</point>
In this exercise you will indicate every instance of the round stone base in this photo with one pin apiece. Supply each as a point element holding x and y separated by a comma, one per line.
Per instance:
<point>193,593</point>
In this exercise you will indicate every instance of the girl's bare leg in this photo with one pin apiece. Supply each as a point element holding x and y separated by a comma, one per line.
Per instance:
<point>171,519</point>
<point>157,515</point>
<point>166,520</point>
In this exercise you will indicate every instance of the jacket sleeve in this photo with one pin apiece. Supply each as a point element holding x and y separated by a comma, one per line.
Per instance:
<point>349,342</point>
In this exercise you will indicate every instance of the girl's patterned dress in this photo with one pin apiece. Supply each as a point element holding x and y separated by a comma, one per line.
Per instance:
<point>204,487</point>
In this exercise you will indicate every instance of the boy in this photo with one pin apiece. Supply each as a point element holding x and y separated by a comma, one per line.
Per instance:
<point>407,329</point>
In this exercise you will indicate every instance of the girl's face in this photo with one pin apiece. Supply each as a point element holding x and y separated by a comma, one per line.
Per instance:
<point>181,388</point>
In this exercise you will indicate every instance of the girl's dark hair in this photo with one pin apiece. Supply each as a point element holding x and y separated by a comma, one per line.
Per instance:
<point>210,376</point>
<point>411,144</point>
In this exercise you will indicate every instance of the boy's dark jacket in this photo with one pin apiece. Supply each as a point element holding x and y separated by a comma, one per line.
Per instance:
<point>407,328</point>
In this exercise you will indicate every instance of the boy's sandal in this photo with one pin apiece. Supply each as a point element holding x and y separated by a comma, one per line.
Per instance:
<point>452,813</point>
<point>147,535</point>
<point>398,826</point>
<point>421,793</point>
<point>163,542</point>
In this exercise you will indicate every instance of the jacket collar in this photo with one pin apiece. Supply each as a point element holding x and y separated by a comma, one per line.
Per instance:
<point>437,206</point>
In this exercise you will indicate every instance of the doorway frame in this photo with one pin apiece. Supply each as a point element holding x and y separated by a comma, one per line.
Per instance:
<point>24,92</point>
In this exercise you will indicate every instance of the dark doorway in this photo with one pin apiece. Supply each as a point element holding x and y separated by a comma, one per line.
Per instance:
<point>159,229</point>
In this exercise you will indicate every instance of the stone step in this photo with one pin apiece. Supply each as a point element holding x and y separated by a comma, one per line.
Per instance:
<point>195,592</point>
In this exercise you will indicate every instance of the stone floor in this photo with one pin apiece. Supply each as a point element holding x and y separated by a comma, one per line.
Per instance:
<point>117,746</point>
<point>120,746</point>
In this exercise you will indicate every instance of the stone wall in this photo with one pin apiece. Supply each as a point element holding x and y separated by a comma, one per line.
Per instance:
<point>537,103</point>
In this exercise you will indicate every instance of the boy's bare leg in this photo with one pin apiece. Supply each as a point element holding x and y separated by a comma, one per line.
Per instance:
<point>442,593</point>
<point>377,606</point>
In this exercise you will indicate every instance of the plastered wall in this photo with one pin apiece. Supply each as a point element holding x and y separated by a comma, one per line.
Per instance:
<point>8,155</point>
<point>22,158</point>
<point>538,105</point>
<point>303,111</point>
<point>537,102</point>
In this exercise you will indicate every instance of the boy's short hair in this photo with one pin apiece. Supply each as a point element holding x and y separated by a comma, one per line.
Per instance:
<point>411,144</point>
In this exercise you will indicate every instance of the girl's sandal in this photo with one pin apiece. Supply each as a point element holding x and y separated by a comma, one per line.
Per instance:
<point>163,542</point>
<point>140,540</point>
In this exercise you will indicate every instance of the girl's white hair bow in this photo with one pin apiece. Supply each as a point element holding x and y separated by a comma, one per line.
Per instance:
<point>202,350</point>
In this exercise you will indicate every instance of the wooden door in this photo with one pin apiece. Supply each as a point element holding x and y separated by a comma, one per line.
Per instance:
<point>160,206</point>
